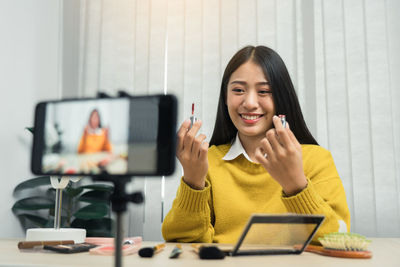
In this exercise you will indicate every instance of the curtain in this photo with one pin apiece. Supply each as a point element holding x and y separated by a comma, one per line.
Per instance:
<point>343,57</point>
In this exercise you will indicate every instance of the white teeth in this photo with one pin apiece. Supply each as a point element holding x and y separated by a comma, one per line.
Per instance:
<point>250,117</point>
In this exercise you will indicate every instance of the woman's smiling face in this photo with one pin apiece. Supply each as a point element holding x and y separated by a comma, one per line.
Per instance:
<point>249,100</point>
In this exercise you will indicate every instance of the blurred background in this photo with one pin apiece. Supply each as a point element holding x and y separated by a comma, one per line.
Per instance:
<point>71,119</point>
<point>343,57</point>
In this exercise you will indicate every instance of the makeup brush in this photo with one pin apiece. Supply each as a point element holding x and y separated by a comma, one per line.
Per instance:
<point>148,252</point>
<point>176,252</point>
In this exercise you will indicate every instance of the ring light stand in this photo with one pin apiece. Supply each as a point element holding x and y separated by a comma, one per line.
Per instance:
<point>57,233</point>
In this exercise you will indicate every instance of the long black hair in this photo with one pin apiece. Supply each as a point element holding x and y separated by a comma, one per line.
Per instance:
<point>283,93</point>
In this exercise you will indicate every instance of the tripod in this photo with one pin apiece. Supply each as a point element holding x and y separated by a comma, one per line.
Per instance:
<point>119,200</point>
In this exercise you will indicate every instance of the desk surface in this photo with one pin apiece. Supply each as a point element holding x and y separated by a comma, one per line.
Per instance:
<point>386,252</point>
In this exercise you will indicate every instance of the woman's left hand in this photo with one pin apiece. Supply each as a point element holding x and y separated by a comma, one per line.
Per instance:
<point>281,155</point>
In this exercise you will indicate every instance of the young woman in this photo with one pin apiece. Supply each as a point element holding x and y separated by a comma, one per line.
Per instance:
<point>254,164</point>
<point>94,138</point>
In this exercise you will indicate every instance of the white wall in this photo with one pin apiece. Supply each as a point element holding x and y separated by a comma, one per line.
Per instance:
<point>29,32</point>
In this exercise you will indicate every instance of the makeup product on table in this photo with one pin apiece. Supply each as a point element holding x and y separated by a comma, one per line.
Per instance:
<point>106,246</point>
<point>108,250</point>
<point>148,252</point>
<point>208,252</point>
<point>176,252</point>
<point>283,120</point>
<point>342,245</point>
<point>193,119</point>
<point>71,248</point>
<point>32,244</point>
<point>258,238</point>
<point>110,240</point>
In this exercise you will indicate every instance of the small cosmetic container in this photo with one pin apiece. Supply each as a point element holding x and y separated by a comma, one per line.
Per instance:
<point>283,120</point>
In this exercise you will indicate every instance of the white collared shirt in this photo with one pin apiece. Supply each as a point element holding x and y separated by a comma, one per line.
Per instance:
<point>236,150</point>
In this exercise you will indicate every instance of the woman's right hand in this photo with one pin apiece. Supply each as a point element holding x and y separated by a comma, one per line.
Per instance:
<point>192,153</point>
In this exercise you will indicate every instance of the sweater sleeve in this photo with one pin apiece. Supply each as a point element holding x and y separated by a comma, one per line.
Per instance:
<point>323,195</point>
<point>190,218</point>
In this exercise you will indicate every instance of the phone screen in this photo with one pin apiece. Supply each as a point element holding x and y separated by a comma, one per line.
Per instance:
<point>114,136</point>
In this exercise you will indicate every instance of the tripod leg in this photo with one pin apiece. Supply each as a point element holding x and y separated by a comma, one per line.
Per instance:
<point>118,240</point>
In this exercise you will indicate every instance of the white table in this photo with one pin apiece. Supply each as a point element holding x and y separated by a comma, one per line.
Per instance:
<point>386,253</point>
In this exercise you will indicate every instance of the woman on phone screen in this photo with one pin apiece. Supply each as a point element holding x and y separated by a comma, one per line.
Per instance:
<point>95,138</point>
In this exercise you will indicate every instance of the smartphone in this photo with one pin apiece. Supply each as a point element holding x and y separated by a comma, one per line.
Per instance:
<point>123,136</point>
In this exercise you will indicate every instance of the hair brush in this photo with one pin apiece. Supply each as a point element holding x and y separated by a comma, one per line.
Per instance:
<point>343,245</point>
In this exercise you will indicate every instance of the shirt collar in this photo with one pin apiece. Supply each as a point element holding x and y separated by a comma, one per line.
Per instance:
<point>236,150</point>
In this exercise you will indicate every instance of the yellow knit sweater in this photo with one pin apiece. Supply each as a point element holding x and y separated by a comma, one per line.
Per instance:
<point>235,189</point>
